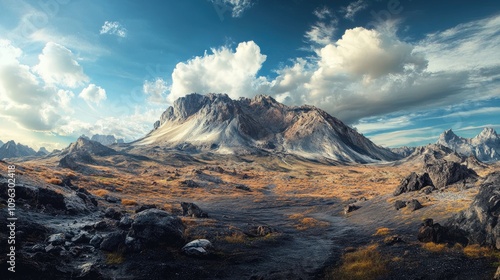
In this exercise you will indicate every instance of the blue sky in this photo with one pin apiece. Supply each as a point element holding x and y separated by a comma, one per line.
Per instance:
<point>401,72</point>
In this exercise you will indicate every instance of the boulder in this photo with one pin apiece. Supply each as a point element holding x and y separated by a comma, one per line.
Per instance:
<point>57,239</point>
<point>413,182</point>
<point>82,237</point>
<point>112,213</point>
<point>432,232</point>
<point>96,240</point>
<point>192,210</point>
<point>112,199</point>
<point>243,187</point>
<point>198,247</point>
<point>398,204</point>
<point>145,207</point>
<point>413,205</point>
<point>153,226</point>
<point>125,222</point>
<point>112,241</point>
<point>349,208</point>
<point>444,173</point>
<point>479,223</point>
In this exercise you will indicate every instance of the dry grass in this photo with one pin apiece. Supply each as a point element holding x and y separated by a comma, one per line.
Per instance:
<point>129,202</point>
<point>114,258</point>
<point>304,223</point>
<point>54,181</point>
<point>434,247</point>
<point>100,192</point>
<point>364,264</point>
<point>236,238</point>
<point>475,251</point>
<point>383,231</point>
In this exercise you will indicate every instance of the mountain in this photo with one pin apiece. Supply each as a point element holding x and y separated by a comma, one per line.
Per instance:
<point>485,146</point>
<point>42,152</point>
<point>82,151</point>
<point>403,151</point>
<point>216,123</point>
<point>106,139</point>
<point>12,150</point>
<point>1,143</point>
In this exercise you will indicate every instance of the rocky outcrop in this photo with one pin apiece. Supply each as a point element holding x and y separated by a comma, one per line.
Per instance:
<point>192,210</point>
<point>480,222</point>
<point>198,247</point>
<point>432,232</point>
<point>413,182</point>
<point>444,173</point>
<point>154,226</point>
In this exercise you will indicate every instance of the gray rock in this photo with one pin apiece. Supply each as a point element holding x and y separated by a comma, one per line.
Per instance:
<point>82,237</point>
<point>192,210</point>
<point>112,199</point>
<point>413,205</point>
<point>112,213</point>
<point>112,241</point>
<point>198,247</point>
<point>350,208</point>
<point>53,249</point>
<point>153,226</point>
<point>101,225</point>
<point>57,239</point>
<point>398,204</point>
<point>96,240</point>
<point>125,222</point>
<point>243,187</point>
<point>444,173</point>
<point>413,182</point>
<point>432,232</point>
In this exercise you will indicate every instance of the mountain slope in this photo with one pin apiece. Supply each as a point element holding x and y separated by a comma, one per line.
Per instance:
<point>485,146</point>
<point>216,123</point>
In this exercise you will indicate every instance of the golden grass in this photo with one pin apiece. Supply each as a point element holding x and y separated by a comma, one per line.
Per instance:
<point>475,251</point>
<point>365,263</point>
<point>304,223</point>
<point>434,247</point>
<point>114,258</point>
<point>236,238</point>
<point>383,231</point>
<point>100,192</point>
<point>55,181</point>
<point>129,202</point>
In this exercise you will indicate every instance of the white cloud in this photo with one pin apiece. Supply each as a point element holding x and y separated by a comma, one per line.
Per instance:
<point>237,7</point>
<point>93,94</point>
<point>8,53</point>
<point>156,90</point>
<point>113,28</point>
<point>321,33</point>
<point>57,66</point>
<point>323,13</point>
<point>353,8</point>
<point>224,71</point>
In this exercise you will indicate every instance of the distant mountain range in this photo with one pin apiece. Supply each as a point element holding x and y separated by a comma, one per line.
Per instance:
<point>218,124</point>
<point>485,146</point>
<point>12,150</point>
<point>105,139</point>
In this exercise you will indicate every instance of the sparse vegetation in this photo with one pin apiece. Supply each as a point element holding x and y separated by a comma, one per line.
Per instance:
<point>54,181</point>
<point>475,251</point>
<point>100,192</point>
<point>129,202</point>
<point>434,247</point>
<point>365,263</point>
<point>237,238</point>
<point>383,231</point>
<point>114,258</point>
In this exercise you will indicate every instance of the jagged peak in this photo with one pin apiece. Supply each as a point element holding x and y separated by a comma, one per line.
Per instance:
<point>487,132</point>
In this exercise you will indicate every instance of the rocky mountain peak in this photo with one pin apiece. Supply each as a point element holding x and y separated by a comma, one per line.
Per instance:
<point>217,123</point>
<point>84,145</point>
<point>11,150</point>
<point>485,146</point>
<point>487,133</point>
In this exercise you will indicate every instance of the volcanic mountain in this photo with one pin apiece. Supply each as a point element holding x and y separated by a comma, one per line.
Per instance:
<point>485,146</point>
<point>218,124</point>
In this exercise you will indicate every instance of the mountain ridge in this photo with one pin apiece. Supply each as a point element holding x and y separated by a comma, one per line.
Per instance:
<point>215,122</point>
<point>485,146</point>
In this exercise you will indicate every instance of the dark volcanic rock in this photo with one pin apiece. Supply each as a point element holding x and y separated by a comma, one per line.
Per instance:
<point>112,213</point>
<point>192,210</point>
<point>155,226</point>
<point>444,173</point>
<point>413,182</point>
<point>399,204</point>
<point>413,205</point>
<point>112,241</point>
<point>479,222</point>
<point>243,187</point>
<point>432,232</point>
<point>349,208</point>
<point>145,207</point>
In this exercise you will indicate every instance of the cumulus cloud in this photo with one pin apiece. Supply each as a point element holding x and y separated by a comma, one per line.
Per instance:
<point>57,66</point>
<point>353,8</point>
<point>156,90</point>
<point>93,94</point>
<point>237,7</point>
<point>234,73</point>
<point>322,31</point>
<point>113,28</point>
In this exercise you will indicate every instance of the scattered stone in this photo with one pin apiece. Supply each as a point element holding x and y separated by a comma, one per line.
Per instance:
<point>198,247</point>
<point>399,204</point>
<point>132,244</point>
<point>112,213</point>
<point>125,222</point>
<point>190,184</point>
<point>112,241</point>
<point>82,237</point>
<point>96,240</point>
<point>349,208</point>
<point>100,225</point>
<point>145,207</point>
<point>112,199</point>
<point>57,239</point>
<point>413,182</point>
<point>52,249</point>
<point>427,190</point>
<point>413,205</point>
<point>153,226</point>
<point>432,232</point>
<point>37,248</point>
<point>192,210</point>
<point>243,187</point>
